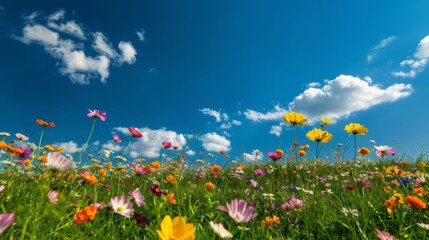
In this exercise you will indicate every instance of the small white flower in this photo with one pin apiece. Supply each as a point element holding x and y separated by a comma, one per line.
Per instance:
<point>220,230</point>
<point>423,225</point>
<point>350,212</point>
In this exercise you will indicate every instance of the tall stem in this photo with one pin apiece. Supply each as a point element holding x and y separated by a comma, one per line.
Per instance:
<point>317,151</point>
<point>87,141</point>
<point>40,142</point>
<point>126,148</point>
<point>294,143</point>
<point>355,148</point>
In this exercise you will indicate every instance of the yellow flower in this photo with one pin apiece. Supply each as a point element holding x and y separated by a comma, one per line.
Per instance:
<point>294,118</point>
<point>356,128</point>
<point>270,222</point>
<point>326,121</point>
<point>177,229</point>
<point>318,135</point>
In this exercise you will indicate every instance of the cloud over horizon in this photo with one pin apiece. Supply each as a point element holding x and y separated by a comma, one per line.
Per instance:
<point>382,44</point>
<point>65,41</point>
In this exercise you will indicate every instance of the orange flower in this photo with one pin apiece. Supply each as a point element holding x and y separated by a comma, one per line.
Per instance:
<point>301,153</point>
<point>209,186</point>
<point>155,164</point>
<point>222,152</point>
<point>415,202</point>
<point>175,147</point>
<point>404,164</point>
<point>419,191</point>
<point>216,169</point>
<point>364,151</point>
<point>87,214</point>
<point>270,222</point>
<point>305,147</point>
<point>89,177</point>
<point>170,198</point>
<point>26,162</point>
<point>170,178</point>
<point>102,172</point>
<point>123,170</point>
<point>45,124</point>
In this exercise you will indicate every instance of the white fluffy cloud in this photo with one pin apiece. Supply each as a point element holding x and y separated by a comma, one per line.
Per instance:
<point>190,152</point>
<point>215,142</point>
<point>276,114</point>
<point>68,147</point>
<point>381,45</point>
<point>218,115</point>
<point>345,95</point>
<point>276,130</point>
<point>150,145</point>
<point>252,157</point>
<point>74,61</point>
<point>417,63</point>
<point>112,146</point>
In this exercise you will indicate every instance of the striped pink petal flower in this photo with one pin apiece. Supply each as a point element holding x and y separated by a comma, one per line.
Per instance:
<point>240,211</point>
<point>97,114</point>
<point>53,196</point>
<point>138,198</point>
<point>6,219</point>
<point>59,162</point>
<point>134,132</point>
<point>117,139</point>
<point>122,205</point>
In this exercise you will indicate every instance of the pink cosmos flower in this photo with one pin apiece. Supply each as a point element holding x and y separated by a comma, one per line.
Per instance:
<point>59,162</point>
<point>140,170</point>
<point>6,219</point>
<point>53,196</point>
<point>275,155</point>
<point>384,235</point>
<point>122,205</point>
<point>383,151</point>
<point>138,198</point>
<point>239,210</point>
<point>134,132</point>
<point>97,114</point>
<point>166,144</point>
<point>259,172</point>
<point>293,203</point>
<point>117,139</point>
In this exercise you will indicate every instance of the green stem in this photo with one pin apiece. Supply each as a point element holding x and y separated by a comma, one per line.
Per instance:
<point>317,151</point>
<point>40,143</point>
<point>87,141</point>
<point>355,147</point>
<point>294,143</point>
<point>126,148</point>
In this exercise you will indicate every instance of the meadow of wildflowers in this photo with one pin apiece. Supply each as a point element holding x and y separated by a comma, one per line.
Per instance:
<point>46,194</point>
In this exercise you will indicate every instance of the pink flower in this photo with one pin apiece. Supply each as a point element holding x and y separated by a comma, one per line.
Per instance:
<point>166,144</point>
<point>138,198</point>
<point>117,139</point>
<point>53,196</point>
<point>122,205</point>
<point>98,205</point>
<point>220,230</point>
<point>140,170</point>
<point>6,219</point>
<point>134,132</point>
<point>383,151</point>
<point>275,155</point>
<point>97,114</point>
<point>384,235</point>
<point>59,162</point>
<point>240,211</point>
<point>350,187</point>
<point>293,203</point>
<point>259,172</point>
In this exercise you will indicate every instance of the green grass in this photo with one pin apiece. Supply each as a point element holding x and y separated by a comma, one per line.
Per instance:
<point>321,218</point>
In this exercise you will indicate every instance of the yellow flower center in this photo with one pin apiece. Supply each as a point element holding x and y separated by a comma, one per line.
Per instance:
<point>120,209</point>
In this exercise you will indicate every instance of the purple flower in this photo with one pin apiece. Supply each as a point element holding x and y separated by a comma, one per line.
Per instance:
<point>141,220</point>
<point>239,210</point>
<point>97,114</point>
<point>254,183</point>
<point>199,175</point>
<point>321,179</point>
<point>166,144</point>
<point>155,189</point>
<point>6,219</point>
<point>350,187</point>
<point>259,172</point>
<point>138,198</point>
<point>25,153</point>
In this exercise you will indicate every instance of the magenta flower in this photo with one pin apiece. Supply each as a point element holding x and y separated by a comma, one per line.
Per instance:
<point>97,114</point>
<point>259,172</point>
<point>140,170</point>
<point>117,139</point>
<point>199,175</point>
<point>350,187</point>
<point>155,189</point>
<point>6,219</point>
<point>141,220</point>
<point>53,196</point>
<point>59,162</point>
<point>138,198</point>
<point>134,132</point>
<point>122,205</point>
<point>25,153</point>
<point>275,155</point>
<point>239,210</point>
<point>166,144</point>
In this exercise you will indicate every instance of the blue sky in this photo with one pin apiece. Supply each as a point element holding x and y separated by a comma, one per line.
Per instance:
<point>228,70</point>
